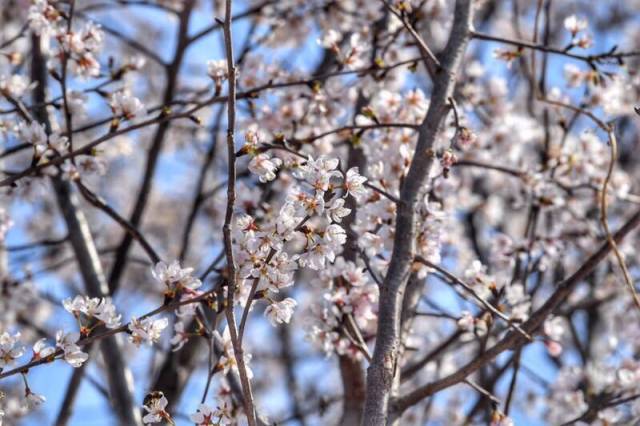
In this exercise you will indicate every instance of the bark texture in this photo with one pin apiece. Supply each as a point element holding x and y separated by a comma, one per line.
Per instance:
<point>382,370</point>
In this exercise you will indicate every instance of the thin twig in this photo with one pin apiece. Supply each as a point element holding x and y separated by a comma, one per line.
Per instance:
<point>475,295</point>
<point>228,225</point>
<point>613,149</point>
<point>514,340</point>
<point>590,59</point>
<point>111,332</point>
<point>188,113</point>
<point>430,61</point>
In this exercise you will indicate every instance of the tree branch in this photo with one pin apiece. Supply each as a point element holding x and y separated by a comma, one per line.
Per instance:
<point>514,340</point>
<point>384,365</point>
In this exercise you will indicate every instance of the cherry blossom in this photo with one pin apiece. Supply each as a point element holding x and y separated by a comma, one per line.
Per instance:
<point>174,277</point>
<point>330,39</point>
<point>124,104</point>
<point>336,210</point>
<point>574,24</point>
<point>101,309</point>
<point>73,354</point>
<point>14,86</point>
<point>10,348</point>
<point>155,405</point>
<point>180,337</point>
<point>280,312</point>
<point>34,399</point>
<point>41,350</point>
<point>264,166</point>
<point>354,184</point>
<point>217,70</point>
<point>205,416</point>
<point>42,16</point>
<point>228,361</point>
<point>146,330</point>
<point>499,419</point>
<point>34,134</point>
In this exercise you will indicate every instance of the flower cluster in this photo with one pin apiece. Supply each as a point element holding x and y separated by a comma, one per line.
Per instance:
<point>575,26</point>
<point>124,104</point>
<point>100,309</point>
<point>146,330</point>
<point>348,294</point>
<point>155,405</point>
<point>280,312</point>
<point>67,342</point>
<point>308,219</point>
<point>261,164</point>
<point>227,361</point>
<point>10,348</point>
<point>354,53</point>
<point>81,46</point>
<point>44,146</point>
<point>15,86</point>
<point>177,280</point>
<point>43,16</point>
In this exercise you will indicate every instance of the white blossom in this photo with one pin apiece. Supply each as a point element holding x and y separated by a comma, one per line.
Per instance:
<point>10,348</point>
<point>155,406</point>
<point>180,337</point>
<point>123,103</point>
<point>336,210</point>
<point>574,25</point>
<point>35,135</point>
<point>41,349</point>
<point>15,86</point>
<point>33,400</point>
<point>42,17</point>
<point>217,70</point>
<point>466,321</point>
<point>146,330</point>
<point>174,277</point>
<point>67,342</point>
<point>330,39</point>
<point>280,312</point>
<point>554,328</point>
<point>354,184</point>
<point>206,416</point>
<point>101,309</point>
<point>264,166</point>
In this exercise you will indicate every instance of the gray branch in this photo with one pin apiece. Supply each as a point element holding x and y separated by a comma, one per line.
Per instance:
<point>383,367</point>
<point>514,340</point>
<point>118,375</point>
